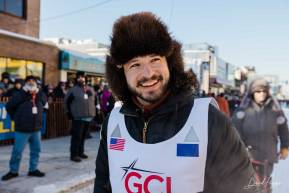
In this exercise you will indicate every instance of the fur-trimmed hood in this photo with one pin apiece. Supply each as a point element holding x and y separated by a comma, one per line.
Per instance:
<point>255,86</point>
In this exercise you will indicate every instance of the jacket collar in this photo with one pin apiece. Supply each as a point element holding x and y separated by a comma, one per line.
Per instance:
<point>169,105</point>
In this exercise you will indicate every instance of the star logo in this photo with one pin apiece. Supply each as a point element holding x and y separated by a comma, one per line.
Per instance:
<point>131,167</point>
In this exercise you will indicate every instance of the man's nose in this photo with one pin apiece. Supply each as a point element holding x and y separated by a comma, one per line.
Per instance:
<point>147,71</point>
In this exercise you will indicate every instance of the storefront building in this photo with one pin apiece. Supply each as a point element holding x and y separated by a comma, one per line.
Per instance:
<point>197,58</point>
<point>73,61</point>
<point>21,56</point>
<point>221,75</point>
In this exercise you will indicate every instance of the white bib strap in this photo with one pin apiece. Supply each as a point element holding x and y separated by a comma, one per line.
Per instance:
<point>206,102</point>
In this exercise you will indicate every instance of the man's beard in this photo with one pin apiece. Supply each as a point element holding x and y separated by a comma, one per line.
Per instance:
<point>152,98</point>
<point>80,83</point>
<point>31,88</point>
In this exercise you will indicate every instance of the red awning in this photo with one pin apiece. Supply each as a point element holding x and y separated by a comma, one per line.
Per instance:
<point>220,81</point>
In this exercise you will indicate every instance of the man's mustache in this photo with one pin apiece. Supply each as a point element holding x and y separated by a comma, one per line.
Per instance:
<point>154,77</point>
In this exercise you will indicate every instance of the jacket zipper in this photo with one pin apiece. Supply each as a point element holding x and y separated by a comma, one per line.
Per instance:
<point>145,125</point>
<point>144,132</point>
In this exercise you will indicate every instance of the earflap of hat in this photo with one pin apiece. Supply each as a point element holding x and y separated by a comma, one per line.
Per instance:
<point>116,79</point>
<point>139,34</point>
<point>175,60</point>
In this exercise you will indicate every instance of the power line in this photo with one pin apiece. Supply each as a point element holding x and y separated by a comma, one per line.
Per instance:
<point>63,15</point>
<point>171,12</point>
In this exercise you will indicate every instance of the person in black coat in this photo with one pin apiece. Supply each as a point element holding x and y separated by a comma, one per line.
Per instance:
<point>60,90</point>
<point>26,108</point>
<point>17,87</point>
<point>260,122</point>
<point>50,92</point>
<point>234,104</point>
<point>70,83</point>
<point>6,80</point>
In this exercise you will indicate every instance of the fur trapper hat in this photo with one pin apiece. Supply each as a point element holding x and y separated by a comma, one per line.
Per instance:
<point>139,34</point>
<point>143,34</point>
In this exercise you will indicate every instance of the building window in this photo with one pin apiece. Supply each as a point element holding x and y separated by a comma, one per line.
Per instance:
<point>2,5</point>
<point>21,68</point>
<point>35,69</point>
<point>16,7</point>
<point>16,68</point>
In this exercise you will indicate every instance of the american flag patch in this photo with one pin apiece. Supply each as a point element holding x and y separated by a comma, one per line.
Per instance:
<point>117,144</point>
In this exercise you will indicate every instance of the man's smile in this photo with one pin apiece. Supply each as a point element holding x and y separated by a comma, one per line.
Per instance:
<point>149,83</point>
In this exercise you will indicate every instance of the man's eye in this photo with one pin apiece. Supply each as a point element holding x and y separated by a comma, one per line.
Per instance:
<point>134,65</point>
<point>155,59</point>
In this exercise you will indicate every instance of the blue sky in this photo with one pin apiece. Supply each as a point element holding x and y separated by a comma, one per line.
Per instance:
<point>247,32</point>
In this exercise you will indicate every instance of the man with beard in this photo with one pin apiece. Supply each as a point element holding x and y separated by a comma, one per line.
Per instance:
<point>163,139</point>
<point>259,121</point>
<point>26,108</point>
<point>79,106</point>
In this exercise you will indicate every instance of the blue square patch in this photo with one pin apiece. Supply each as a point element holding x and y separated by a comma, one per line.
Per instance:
<point>113,141</point>
<point>188,150</point>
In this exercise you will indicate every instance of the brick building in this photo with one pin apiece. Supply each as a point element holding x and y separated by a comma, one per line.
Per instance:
<point>21,52</point>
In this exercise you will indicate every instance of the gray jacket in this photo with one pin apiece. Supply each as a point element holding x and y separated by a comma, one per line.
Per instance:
<point>75,104</point>
<point>260,125</point>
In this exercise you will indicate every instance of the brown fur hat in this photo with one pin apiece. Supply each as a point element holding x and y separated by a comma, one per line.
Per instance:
<point>144,34</point>
<point>139,34</point>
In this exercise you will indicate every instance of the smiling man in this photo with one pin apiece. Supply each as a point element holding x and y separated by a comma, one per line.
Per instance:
<point>163,139</point>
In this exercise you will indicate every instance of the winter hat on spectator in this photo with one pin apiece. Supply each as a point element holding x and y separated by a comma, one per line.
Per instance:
<point>259,84</point>
<point>18,80</point>
<point>71,80</point>
<point>29,78</point>
<point>80,73</point>
<point>5,75</point>
<point>38,82</point>
<point>50,86</point>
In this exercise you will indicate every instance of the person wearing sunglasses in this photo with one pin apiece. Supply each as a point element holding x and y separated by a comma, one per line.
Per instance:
<point>259,121</point>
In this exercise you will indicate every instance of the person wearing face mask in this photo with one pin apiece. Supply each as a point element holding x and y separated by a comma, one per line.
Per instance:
<point>26,108</point>
<point>259,121</point>
<point>79,106</point>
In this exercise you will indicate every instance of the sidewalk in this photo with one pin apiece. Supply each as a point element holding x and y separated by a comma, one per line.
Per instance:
<point>60,173</point>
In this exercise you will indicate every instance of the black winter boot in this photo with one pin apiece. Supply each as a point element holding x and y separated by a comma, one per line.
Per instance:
<point>75,159</point>
<point>9,175</point>
<point>82,155</point>
<point>36,173</point>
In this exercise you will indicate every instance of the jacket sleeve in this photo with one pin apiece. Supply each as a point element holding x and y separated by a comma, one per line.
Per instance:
<point>102,167</point>
<point>67,101</point>
<point>13,103</point>
<point>283,130</point>
<point>238,120</point>
<point>228,168</point>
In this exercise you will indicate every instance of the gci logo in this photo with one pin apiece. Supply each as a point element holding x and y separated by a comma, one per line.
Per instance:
<point>143,186</point>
